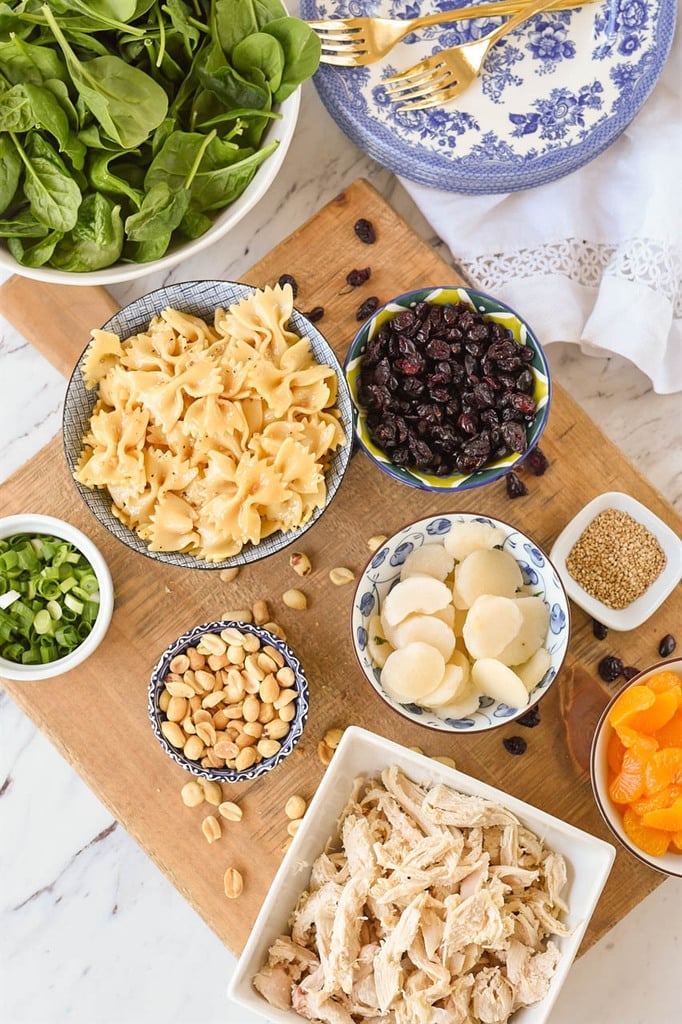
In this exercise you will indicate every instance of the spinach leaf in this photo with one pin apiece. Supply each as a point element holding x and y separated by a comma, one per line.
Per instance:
<point>260,52</point>
<point>218,184</point>
<point>268,10</point>
<point>195,223</point>
<point>234,91</point>
<point>25,62</point>
<point>233,20</point>
<point>127,103</point>
<point>146,252</point>
<point>96,240</point>
<point>302,50</point>
<point>30,106</point>
<point>180,15</point>
<point>60,91</point>
<point>35,255</point>
<point>162,211</point>
<point>10,171</point>
<point>22,225</point>
<point>103,179</point>
<point>53,195</point>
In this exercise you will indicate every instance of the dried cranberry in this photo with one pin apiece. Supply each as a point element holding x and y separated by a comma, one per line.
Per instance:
<point>530,719</point>
<point>364,229</point>
<point>514,436</point>
<point>288,279</point>
<point>600,630</point>
<point>367,308</point>
<point>357,277</point>
<point>537,461</point>
<point>610,668</point>
<point>515,745</point>
<point>630,672</point>
<point>667,645</point>
<point>315,314</point>
<point>515,486</point>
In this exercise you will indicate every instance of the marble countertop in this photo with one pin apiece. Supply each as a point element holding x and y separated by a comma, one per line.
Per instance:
<point>90,931</point>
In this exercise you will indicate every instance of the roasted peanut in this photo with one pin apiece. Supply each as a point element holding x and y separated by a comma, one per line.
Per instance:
<point>245,759</point>
<point>285,697</point>
<point>444,759</point>
<point>230,811</point>
<point>332,737</point>
<point>324,753</point>
<point>261,613</point>
<point>177,709</point>
<point>295,807</point>
<point>211,643</point>
<point>287,713</point>
<point>233,883</point>
<point>237,615</point>
<point>300,563</point>
<point>213,793</point>
<point>295,599</point>
<point>173,733</point>
<point>376,542</point>
<point>196,660</point>
<point>164,699</point>
<point>227,575</point>
<point>293,826</point>
<point>268,690</point>
<point>210,826</point>
<point>179,664</point>
<point>285,676</point>
<point>276,630</point>
<point>194,748</point>
<point>276,655</point>
<point>179,689</point>
<point>277,729</point>
<point>192,794</point>
<point>340,576</point>
<point>268,747</point>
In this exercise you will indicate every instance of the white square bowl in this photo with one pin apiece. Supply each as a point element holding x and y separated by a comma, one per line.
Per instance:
<point>360,752</point>
<point>640,610</point>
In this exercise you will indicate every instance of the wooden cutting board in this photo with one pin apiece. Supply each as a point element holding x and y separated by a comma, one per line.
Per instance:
<point>96,715</point>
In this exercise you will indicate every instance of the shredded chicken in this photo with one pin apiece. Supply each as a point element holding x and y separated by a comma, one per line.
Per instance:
<point>428,907</point>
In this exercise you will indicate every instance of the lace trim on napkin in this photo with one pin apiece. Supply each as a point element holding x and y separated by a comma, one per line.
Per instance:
<point>640,260</point>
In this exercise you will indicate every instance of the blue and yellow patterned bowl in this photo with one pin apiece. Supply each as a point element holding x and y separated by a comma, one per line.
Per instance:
<point>493,309</point>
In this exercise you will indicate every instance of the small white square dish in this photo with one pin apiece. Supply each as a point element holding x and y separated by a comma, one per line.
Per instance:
<point>639,610</point>
<point>362,753</point>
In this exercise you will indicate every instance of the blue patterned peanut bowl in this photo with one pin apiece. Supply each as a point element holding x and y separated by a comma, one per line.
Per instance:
<point>383,573</point>
<point>283,658</point>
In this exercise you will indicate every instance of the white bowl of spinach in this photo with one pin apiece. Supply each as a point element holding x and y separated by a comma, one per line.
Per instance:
<point>135,132</point>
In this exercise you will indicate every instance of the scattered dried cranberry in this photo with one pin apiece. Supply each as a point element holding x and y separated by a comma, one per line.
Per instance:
<point>630,672</point>
<point>600,630</point>
<point>515,745</point>
<point>365,310</point>
<point>357,277</point>
<point>364,229</point>
<point>610,668</point>
<point>288,279</point>
<point>537,461</point>
<point>315,314</point>
<point>515,485</point>
<point>530,719</point>
<point>667,645</point>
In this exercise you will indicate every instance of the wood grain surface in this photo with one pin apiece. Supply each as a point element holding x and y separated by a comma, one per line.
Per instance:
<point>96,715</point>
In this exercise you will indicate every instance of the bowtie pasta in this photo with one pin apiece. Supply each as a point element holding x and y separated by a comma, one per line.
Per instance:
<point>209,437</point>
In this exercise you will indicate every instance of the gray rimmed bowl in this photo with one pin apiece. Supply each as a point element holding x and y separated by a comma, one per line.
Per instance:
<point>383,572</point>
<point>157,685</point>
<point>199,298</point>
<point>493,310</point>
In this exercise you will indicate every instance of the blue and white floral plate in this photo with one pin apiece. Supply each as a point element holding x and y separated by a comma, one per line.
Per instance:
<point>383,572</point>
<point>553,94</point>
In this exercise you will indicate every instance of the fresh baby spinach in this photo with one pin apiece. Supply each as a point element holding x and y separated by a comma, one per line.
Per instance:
<point>125,125</point>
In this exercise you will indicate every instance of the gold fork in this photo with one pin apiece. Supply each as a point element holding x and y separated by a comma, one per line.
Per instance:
<point>354,42</point>
<point>446,74</point>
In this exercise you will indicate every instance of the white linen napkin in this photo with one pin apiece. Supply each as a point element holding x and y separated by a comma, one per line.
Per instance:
<point>594,257</point>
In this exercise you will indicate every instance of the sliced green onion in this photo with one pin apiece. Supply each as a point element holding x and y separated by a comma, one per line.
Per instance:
<point>49,598</point>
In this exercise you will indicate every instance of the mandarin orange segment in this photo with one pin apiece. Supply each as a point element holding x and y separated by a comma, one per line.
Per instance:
<point>651,840</point>
<point>629,783</point>
<point>676,841</point>
<point>630,701</point>
<point>638,741</point>
<point>670,734</point>
<point>614,753</point>
<point>664,681</point>
<point>659,714</point>
<point>663,768</point>
<point>664,798</point>
<point>668,819</point>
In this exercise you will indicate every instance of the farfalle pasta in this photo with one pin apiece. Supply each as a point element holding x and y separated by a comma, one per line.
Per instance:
<point>208,437</point>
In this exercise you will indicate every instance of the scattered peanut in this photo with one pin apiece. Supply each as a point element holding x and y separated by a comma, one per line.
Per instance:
<point>293,826</point>
<point>210,826</point>
<point>213,793</point>
<point>340,576</point>
<point>444,759</point>
<point>295,599</point>
<point>275,629</point>
<point>332,737</point>
<point>376,542</point>
<point>261,614</point>
<point>417,750</point>
<point>237,615</point>
<point>295,807</point>
<point>192,794</point>
<point>227,575</point>
<point>300,563</point>
<point>233,883</point>
<point>228,715</point>
<point>324,753</point>
<point>230,811</point>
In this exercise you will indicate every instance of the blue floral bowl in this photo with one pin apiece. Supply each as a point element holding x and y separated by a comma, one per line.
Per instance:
<point>157,716</point>
<point>383,572</point>
<point>494,310</point>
